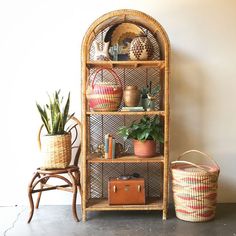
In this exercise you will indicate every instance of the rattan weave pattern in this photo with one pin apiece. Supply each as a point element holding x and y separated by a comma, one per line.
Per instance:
<point>100,173</point>
<point>139,77</point>
<point>109,124</point>
<point>56,151</point>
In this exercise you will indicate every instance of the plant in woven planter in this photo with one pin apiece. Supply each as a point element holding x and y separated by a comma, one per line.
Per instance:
<point>56,145</point>
<point>145,134</point>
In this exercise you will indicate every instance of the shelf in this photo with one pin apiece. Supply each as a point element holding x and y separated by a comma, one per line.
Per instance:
<point>96,171</point>
<point>102,205</point>
<point>125,159</point>
<point>126,64</point>
<point>122,113</point>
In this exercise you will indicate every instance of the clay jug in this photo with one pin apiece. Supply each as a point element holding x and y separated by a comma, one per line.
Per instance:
<point>101,54</point>
<point>131,96</point>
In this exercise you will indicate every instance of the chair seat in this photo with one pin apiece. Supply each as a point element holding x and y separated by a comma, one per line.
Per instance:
<point>71,168</point>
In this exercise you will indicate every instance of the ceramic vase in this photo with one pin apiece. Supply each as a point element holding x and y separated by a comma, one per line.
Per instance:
<point>140,48</point>
<point>131,96</point>
<point>101,54</point>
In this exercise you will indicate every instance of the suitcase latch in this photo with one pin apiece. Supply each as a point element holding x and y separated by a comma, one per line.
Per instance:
<point>114,189</point>
<point>139,188</point>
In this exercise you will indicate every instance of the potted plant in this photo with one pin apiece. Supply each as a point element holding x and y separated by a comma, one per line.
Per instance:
<point>148,96</point>
<point>145,134</point>
<point>56,144</point>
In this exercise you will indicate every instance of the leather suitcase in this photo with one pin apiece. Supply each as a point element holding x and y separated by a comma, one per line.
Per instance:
<point>126,192</point>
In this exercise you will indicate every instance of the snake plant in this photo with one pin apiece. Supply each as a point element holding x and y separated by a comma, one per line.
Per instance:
<point>54,114</point>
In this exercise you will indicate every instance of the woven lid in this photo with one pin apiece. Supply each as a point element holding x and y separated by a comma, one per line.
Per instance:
<point>188,168</point>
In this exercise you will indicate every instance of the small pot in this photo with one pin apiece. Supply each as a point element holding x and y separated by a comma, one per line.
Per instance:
<point>131,96</point>
<point>148,104</point>
<point>144,149</point>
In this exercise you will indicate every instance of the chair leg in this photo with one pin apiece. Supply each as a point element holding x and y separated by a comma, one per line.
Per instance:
<point>43,181</point>
<point>31,201</point>
<point>74,187</point>
<point>31,205</point>
<point>77,179</point>
<point>39,197</point>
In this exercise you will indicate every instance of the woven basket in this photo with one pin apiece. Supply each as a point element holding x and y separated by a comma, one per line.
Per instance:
<point>56,151</point>
<point>104,96</point>
<point>194,188</point>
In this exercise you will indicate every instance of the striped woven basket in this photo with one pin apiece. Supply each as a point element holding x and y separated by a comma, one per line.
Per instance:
<point>194,188</point>
<point>105,96</point>
<point>55,150</point>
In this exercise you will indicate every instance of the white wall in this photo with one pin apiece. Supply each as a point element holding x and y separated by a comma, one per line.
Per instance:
<point>40,44</point>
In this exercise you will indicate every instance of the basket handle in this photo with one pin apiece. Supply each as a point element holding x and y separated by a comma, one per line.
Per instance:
<point>117,78</point>
<point>178,161</point>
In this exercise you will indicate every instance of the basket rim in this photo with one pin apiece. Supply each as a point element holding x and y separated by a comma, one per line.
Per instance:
<point>183,167</point>
<point>52,135</point>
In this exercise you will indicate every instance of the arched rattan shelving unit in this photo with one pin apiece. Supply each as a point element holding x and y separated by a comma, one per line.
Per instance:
<point>97,171</point>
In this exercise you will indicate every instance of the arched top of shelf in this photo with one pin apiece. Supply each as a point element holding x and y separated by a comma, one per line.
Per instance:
<point>129,16</point>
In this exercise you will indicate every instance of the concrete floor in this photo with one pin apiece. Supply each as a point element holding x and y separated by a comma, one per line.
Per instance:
<point>57,221</point>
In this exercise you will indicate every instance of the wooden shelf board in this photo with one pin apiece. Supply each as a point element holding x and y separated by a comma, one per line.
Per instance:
<point>129,159</point>
<point>122,113</point>
<point>102,205</point>
<point>133,64</point>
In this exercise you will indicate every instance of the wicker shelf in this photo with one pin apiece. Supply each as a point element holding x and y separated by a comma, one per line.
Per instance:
<point>126,159</point>
<point>122,113</point>
<point>96,171</point>
<point>102,205</point>
<point>126,64</point>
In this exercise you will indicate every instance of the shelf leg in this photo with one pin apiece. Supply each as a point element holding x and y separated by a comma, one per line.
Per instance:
<point>84,216</point>
<point>164,214</point>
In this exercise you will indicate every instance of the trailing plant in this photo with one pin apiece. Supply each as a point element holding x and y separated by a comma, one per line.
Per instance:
<point>146,129</point>
<point>54,114</point>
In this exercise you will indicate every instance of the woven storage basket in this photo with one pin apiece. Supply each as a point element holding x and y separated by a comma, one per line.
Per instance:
<point>56,151</point>
<point>104,96</point>
<point>194,188</point>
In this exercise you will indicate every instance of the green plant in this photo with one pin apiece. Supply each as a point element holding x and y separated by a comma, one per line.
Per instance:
<point>146,129</point>
<point>54,115</point>
<point>148,91</point>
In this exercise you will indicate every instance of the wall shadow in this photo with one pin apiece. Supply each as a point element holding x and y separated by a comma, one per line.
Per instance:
<point>186,104</point>
<point>189,114</point>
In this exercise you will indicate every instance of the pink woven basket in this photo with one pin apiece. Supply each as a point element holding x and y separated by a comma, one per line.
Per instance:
<point>105,96</point>
<point>194,188</point>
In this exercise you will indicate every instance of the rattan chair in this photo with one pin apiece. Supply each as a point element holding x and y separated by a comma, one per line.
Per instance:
<point>69,175</point>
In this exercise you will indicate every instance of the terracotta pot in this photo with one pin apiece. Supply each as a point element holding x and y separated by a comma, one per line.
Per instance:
<point>131,96</point>
<point>144,149</point>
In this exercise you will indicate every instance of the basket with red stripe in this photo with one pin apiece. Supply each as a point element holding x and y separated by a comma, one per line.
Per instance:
<point>104,95</point>
<point>194,188</point>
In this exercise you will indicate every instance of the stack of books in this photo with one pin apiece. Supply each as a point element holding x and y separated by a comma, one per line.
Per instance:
<point>110,146</point>
<point>132,109</point>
